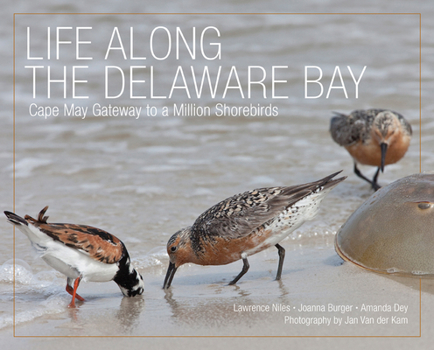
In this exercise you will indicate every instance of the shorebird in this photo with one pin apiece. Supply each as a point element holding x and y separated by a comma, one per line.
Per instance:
<point>81,253</point>
<point>372,137</point>
<point>246,224</point>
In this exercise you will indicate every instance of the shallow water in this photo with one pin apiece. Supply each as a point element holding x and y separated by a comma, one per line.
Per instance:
<point>143,179</point>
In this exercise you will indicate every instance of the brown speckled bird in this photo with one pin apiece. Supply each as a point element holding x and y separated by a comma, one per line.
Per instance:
<point>375,137</point>
<point>246,224</point>
<point>81,253</point>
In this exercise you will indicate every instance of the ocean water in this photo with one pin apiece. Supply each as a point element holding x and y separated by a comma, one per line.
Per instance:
<point>144,178</point>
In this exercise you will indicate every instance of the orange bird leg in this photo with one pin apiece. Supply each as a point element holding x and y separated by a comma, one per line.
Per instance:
<point>73,292</point>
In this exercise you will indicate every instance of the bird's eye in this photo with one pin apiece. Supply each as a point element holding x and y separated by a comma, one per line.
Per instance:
<point>173,249</point>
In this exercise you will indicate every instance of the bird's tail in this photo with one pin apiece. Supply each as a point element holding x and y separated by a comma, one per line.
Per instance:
<point>329,182</point>
<point>338,114</point>
<point>14,219</point>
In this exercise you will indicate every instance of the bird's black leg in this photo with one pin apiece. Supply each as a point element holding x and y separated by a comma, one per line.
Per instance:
<point>374,182</point>
<point>243,271</point>
<point>359,174</point>
<point>281,252</point>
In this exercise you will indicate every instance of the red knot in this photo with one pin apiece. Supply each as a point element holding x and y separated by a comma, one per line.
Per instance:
<point>375,137</point>
<point>246,224</point>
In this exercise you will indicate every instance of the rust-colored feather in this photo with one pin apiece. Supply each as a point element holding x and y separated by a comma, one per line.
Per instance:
<point>98,244</point>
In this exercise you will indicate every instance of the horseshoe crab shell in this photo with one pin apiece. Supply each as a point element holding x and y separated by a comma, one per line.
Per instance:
<point>392,232</point>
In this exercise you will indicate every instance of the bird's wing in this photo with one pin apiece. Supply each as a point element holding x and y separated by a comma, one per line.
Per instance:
<point>98,244</point>
<point>349,129</point>
<point>239,215</point>
<point>405,123</point>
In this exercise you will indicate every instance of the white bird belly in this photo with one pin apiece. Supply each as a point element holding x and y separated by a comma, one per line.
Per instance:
<point>291,219</point>
<point>73,263</point>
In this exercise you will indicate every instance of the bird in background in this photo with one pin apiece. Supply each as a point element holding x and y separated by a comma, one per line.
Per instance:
<point>375,137</point>
<point>246,224</point>
<point>80,252</point>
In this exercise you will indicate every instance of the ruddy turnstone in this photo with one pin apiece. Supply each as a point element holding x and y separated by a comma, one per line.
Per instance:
<point>246,224</point>
<point>373,137</point>
<point>81,253</point>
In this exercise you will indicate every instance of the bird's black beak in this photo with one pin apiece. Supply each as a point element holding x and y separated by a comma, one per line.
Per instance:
<point>383,155</point>
<point>169,275</point>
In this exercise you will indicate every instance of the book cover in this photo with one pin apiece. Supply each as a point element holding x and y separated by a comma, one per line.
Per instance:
<point>136,121</point>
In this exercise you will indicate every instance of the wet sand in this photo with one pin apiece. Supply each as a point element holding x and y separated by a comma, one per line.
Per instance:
<point>316,286</point>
